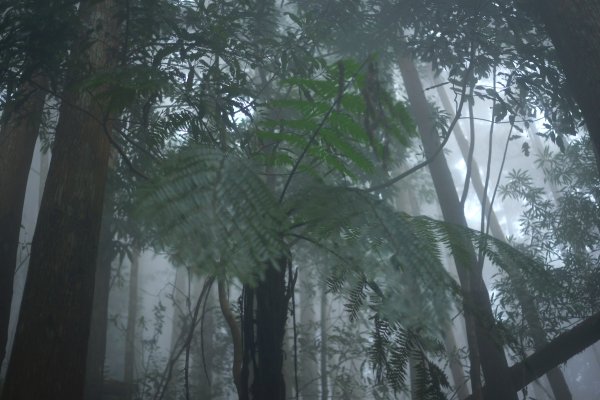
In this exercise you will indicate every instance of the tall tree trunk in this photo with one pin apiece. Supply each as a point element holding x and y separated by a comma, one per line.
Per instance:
<point>132,315</point>
<point>263,327</point>
<point>308,373</point>
<point>574,27</point>
<point>477,307</point>
<point>18,132</point>
<point>323,348</point>
<point>530,312</point>
<point>97,342</point>
<point>454,362</point>
<point>205,354</point>
<point>49,353</point>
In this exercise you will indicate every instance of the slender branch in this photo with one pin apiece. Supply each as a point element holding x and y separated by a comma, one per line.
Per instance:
<point>487,173</point>
<point>498,180</point>
<point>168,372</point>
<point>469,160</point>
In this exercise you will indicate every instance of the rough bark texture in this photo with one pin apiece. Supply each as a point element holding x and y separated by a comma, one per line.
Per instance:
<point>265,314</point>
<point>18,133</point>
<point>477,306</point>
<point>574,27</point>
<point>530,312</point>
<point>49,354</point>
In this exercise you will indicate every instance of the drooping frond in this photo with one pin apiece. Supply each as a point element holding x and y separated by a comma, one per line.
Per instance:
<point>210,210</point>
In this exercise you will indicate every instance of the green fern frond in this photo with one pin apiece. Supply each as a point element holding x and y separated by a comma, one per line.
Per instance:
<point>210,210</point>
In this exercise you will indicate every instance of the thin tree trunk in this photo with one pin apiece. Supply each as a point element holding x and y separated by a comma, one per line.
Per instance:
<point>308,372</point>
<point>132,309</point>
<point>323,350</point>
<point>530,313</point>
<point>456,368</point>
<point>49,353</point>
<point>18,132</point>
<point>477,307</point>
<point>205,347</point>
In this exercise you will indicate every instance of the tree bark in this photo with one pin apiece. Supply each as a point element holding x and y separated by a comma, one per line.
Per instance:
<point>49,354</point>
<point>97,342</point>
<point>477,307</point>
<point>263,334</point>
<point>574,27</point>
<point>556,352</point>
<point>18,132</point>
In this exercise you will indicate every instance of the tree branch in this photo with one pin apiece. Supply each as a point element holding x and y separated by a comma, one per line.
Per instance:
<point>558,351</point>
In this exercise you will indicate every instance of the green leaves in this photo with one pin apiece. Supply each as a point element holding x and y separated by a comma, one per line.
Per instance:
<point>211,211</point>
<point>350,132</point>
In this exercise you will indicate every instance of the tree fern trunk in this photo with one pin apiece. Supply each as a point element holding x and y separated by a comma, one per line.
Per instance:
<point>49,354</point>
<point>263,331</point>
<point>477,306</point>
<point>18,132</point>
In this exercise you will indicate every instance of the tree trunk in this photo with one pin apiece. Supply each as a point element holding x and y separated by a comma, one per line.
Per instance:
<point>530,312</point>
<point>97,343</point>
<point>49,353</point>
<point>477,307</point>
<point>308,373</point>
<point>323,348</point>
<point>574,27</point>
<point>18,132</point>
<point>263,334</point>
<point>132,315</point>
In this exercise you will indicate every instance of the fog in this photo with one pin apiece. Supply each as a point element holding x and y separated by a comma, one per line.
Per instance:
<point>297,200</point>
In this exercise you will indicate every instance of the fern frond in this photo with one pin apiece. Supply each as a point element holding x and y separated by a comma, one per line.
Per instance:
<point>210,210</point>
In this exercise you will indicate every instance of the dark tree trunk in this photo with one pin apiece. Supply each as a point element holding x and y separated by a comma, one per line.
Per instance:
<point>574,27</point>
<point>263,334</point>
<point>18,132</point>
<point>477,307</point>
<point>49,353</point>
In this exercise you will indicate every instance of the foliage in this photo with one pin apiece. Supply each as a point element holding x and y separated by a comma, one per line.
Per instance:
<point>560,225</point>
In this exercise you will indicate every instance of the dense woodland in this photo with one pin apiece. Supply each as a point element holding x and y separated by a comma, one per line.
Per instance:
<point>299,199</point>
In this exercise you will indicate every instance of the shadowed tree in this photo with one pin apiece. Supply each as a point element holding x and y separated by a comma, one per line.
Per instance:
<point>54,321</point>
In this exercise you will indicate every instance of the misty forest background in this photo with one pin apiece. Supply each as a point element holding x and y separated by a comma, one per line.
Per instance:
<point>299,199</point>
